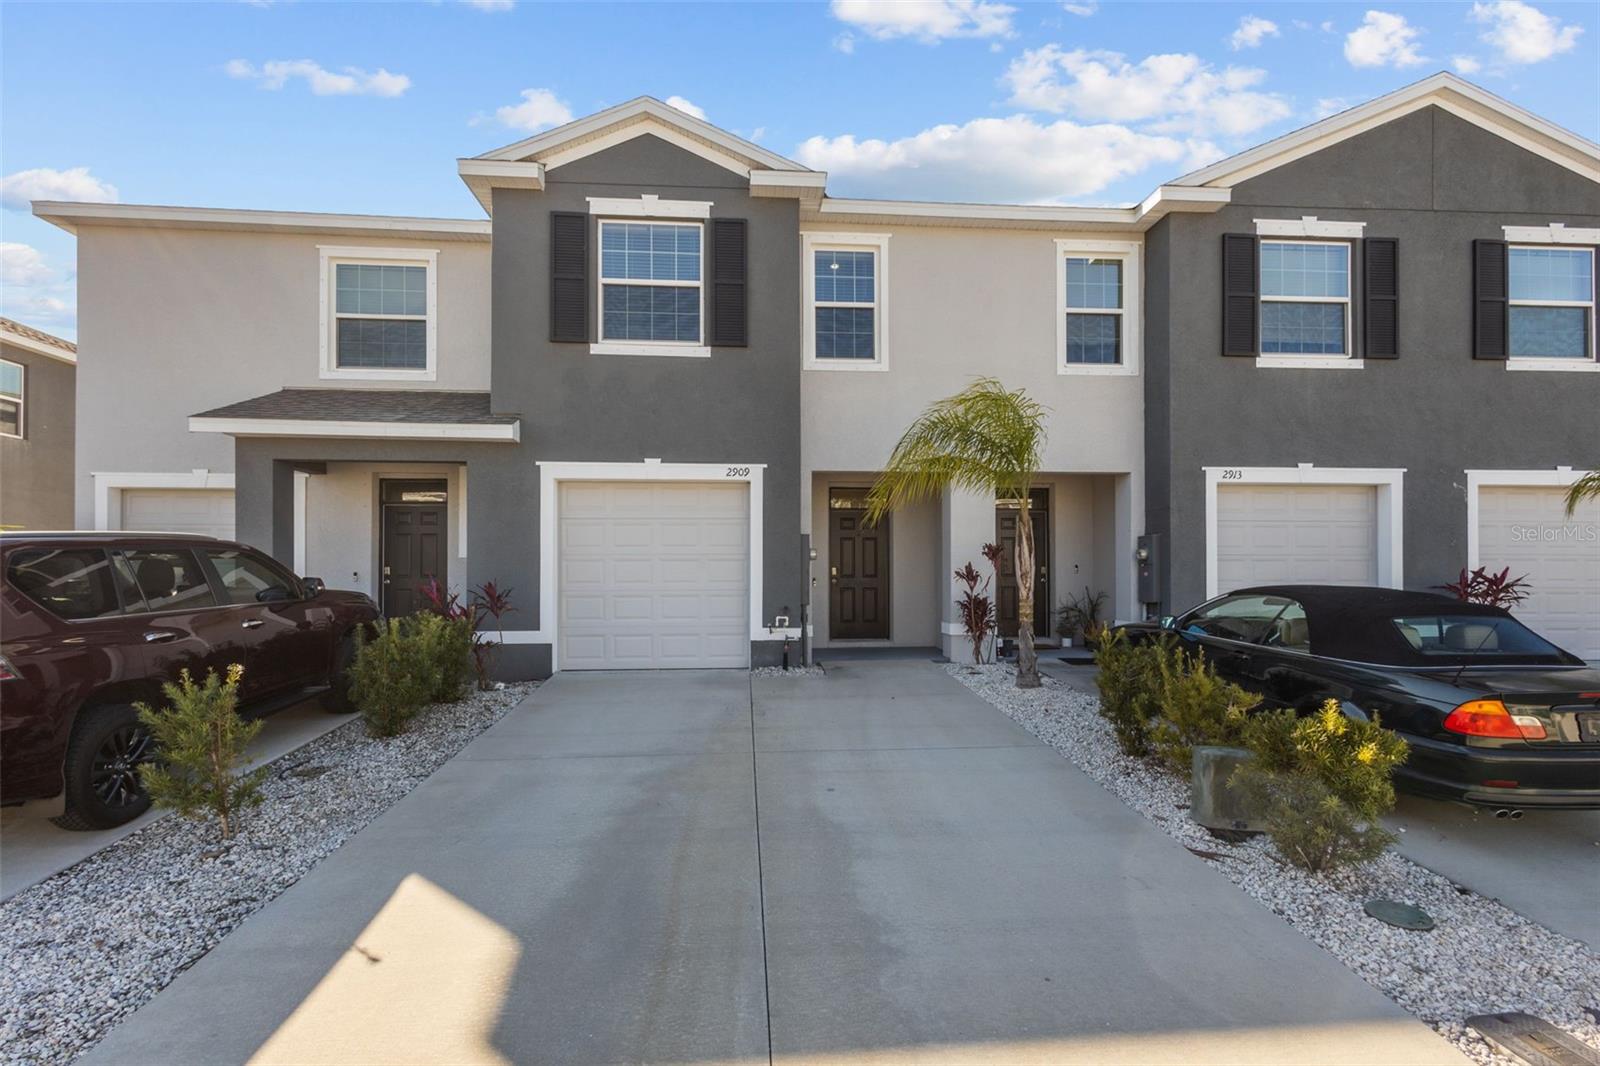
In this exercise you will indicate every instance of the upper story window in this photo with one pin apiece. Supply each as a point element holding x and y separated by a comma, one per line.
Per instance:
<point>379,313</point>
<point>1305,298</point>
<point>846,292</point>
<point>11,398</point>
<point>1097,307</point>
<point>1552,303</point>
<point>650,282</point>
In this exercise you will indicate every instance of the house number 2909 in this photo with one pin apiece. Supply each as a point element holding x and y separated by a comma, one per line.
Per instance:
<point>738,471</point>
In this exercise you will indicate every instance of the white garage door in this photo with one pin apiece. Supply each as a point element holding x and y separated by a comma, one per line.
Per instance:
<point>208,511</point>
<point>1528,530</point>
<point>653,575</point>
<point>1304,534</point>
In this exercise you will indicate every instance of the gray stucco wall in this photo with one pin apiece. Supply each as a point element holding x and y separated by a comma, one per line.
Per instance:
<point>1435,182</point>
<point>36,471</point>
<point>742,405</point>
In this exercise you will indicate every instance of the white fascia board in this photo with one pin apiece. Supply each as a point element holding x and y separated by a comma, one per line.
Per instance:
<point>802,185</point>
<point>38,347</point>
<point>69,216</point>
<point>1551,233</point>
<point>1308,226</point>
<point>308,427</point>
<point>647,205</point>
<point>483,176</point>
<point>1444,90</point>
<point>1163,201</point>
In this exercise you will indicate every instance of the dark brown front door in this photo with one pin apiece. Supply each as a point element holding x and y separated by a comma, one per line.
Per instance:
<point>1005,532</point>
<point>414,543</point>
<point>858,570</point>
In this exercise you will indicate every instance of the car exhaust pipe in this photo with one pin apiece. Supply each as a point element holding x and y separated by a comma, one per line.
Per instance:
<point>1513,813</point>
<point>1502,813</point>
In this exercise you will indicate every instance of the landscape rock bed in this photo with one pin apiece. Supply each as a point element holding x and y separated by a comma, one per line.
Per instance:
<point>1482,957</point>
<point>88,946</point>
<point>794,673</point>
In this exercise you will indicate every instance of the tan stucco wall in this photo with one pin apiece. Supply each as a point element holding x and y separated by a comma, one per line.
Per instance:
<point>36,470</point>
<point>914,566</point>
<point>176,321</point>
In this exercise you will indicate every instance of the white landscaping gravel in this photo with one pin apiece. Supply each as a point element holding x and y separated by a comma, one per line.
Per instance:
<point>794,672</point>
<point>88,946</point>
<point>1480,958</point>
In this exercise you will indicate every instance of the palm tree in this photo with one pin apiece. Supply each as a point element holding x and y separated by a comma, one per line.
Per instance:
<point>1586,487</point>
<point>986,439</point>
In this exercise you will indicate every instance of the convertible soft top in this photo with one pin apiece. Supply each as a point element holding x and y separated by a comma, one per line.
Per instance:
<point>1354,622</point>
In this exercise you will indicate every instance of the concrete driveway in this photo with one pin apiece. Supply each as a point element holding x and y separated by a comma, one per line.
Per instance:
<point>873,866</point>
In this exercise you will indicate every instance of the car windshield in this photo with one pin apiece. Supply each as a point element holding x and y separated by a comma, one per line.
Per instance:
<point>1458,637</point>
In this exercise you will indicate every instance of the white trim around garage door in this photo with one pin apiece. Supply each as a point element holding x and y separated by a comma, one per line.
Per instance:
<point>108,489</point>
<point>1388,481</point>
<point>552,474</point>
<point>1557,477</point>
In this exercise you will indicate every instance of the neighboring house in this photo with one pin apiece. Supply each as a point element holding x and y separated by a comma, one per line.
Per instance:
<point>665,371</point>
<point>38,374</point>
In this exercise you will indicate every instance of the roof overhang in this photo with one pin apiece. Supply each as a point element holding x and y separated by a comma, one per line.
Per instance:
<point>1443,90</point>
<point>70,216</point>
<point>483,176</point>
<point>1165,200</point>
<point>38,347</point>
<point>504,432</point>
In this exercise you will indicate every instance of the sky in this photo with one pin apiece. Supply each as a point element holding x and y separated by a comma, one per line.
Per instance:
<point>364,107</point>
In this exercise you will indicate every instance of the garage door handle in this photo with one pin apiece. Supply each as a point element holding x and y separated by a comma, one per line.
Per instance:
<point>158,636</point>
<point>254,623</point>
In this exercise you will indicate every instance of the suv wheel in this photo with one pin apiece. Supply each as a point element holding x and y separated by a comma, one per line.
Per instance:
<point>102,769</point>
<point>337,699</point>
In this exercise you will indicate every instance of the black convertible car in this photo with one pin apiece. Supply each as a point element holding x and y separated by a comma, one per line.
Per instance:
<point>1495,714</point>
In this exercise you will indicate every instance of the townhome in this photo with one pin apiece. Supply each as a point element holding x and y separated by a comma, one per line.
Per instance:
<point>38,374</point>
<point>649,390</point>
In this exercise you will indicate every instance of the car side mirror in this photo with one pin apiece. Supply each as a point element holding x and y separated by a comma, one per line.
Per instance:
<point>1168,622</point>
<point>314,587</point>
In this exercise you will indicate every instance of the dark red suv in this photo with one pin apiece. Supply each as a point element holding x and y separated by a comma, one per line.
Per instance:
<point>90,623</point>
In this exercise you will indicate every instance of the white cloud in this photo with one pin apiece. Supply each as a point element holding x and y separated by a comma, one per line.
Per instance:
<point>539,110</point>
<point>846,43</point>
<point>491,5</point>
<point>685,106</point>
<point>33,292</point>
<point>925,20</point>
<point>1174,93</point>
<point>1466,64</point>
<point>351,81</point>
<point>1521,33</point>
<point>1251,32</point>
<point>21,264</point>
<point>1081,10</point>
<point>1383,40</point>
<point>1015,159</point>
<point>42,183</point>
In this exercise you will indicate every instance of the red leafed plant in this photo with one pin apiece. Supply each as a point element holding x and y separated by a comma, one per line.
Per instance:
<point>975,607</point>
<point>1496,590</point>
<point>488,601</point>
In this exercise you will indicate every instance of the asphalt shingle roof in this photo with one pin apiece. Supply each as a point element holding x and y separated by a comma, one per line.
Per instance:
<point>39,335</point>
<point>367,405</point>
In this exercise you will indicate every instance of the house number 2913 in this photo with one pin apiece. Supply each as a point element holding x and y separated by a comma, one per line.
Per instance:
<point>1233,475</point>
<point>738,471</point>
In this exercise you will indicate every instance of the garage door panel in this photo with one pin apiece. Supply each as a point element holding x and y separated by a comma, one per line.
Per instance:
<point>204,511</point>
<point>1527,529</point>
<point>1281,534</point>
<point>668,566</point>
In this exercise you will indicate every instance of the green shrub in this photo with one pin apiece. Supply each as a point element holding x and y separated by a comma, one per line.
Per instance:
<point>1129,681</point>
<point>1321,783</point>
<point>200,740</point>
<point>391,678</point>
<point>1196,708</point>
<point>446,644</point>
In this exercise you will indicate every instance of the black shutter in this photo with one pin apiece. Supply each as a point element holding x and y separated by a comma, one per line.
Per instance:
<point>1240,293</point>
<point>1380,298</point>
<point>730,311</point>
<point>569,276</point>
<point>1491,318</point>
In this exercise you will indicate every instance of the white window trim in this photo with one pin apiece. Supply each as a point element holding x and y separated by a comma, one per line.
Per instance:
<point>1589,363</point>
<point>1131,254</point>
<point>21,401</point>
<point>331,255</point>
<point>691,349</point>
<point>1389,481</point>
<point>1560,477</point>
<point>878,244</point>
<point>648,205</point>
<point>1309,226</point>
<point>108,488</point>
<point>551,475</point>
<point>1551,233</point>
<point>1318,360</point>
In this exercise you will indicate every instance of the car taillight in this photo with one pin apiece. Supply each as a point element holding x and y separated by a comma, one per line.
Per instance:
<point>7,671</point>
<point>1489,718</point>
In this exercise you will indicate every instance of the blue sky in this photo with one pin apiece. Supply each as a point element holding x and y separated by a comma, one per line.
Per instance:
<point>363,107</point>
